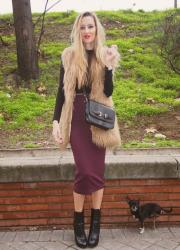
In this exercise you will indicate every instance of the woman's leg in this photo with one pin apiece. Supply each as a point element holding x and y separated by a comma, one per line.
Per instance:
<point>78,201</point>
<point>94,231</point>
<point>97,197</point>
<point>79,232</point>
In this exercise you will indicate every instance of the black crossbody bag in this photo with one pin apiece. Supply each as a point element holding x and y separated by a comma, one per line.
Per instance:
<point>98,114</point>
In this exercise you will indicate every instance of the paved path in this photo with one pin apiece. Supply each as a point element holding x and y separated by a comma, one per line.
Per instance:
<point>114,239</point>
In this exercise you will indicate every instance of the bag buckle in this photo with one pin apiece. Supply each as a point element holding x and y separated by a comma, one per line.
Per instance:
<point>99,113</point>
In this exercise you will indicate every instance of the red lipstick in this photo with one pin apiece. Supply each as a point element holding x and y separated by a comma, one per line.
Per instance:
<point>87,36</point>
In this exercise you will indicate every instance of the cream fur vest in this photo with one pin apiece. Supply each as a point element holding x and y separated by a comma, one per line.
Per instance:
<point>103,138</point>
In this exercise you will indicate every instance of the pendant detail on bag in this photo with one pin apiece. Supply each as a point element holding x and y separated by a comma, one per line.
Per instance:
<point>105,116</point>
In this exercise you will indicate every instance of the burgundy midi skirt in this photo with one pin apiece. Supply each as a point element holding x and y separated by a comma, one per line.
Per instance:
<point>88,157</point>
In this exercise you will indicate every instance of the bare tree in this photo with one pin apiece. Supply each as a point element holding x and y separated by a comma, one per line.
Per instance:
<point>170,41</point>
<point>27,56</point>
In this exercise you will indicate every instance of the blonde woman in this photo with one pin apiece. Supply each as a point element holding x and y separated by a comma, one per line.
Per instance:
<point>89,63</point>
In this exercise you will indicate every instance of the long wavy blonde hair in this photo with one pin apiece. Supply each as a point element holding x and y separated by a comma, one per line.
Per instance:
<point>80,55</point>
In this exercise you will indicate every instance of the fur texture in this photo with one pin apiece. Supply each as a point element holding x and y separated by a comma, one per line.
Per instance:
<point>103,138</point>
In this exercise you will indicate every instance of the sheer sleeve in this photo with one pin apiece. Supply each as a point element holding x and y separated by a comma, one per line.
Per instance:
<point>108,82</point>
<point>60,96</point>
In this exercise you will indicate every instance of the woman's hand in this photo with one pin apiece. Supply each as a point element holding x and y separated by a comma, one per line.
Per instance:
<point>56,132</point>
<point>111,56</point>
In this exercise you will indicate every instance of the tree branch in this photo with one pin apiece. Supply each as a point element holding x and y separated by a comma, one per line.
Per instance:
<point>46,11</point>
<point>43,18</point>
<point>42,26</point>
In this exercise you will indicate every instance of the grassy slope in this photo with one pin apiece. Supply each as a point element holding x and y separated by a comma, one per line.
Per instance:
<point>144,84</point>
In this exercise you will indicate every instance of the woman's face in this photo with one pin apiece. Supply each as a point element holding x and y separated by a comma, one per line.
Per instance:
<point>88,31</point>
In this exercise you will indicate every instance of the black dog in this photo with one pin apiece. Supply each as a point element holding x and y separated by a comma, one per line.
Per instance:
<point>147,210</point>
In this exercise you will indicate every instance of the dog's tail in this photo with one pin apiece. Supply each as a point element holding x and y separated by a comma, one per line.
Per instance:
<point>165,210</point>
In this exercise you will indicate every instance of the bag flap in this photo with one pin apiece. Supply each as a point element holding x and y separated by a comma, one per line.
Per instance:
<point>101,111</point>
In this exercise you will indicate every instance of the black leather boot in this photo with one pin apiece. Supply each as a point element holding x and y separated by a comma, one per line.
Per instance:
<point>79,233</point>
<point>94,231</point>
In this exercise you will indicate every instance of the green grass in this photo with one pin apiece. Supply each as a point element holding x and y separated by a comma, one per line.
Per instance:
<point>114,33</point>
<point>50,66</point>
<point>21,109</point>
<point>59,17</point>
<point>130,99</point>
<point>31,145</point>
<point>142,73</point>
<point>149,143</point>
<point>9,38</point>
<point>52,49</point>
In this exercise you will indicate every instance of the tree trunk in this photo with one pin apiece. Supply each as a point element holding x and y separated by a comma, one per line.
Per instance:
<point>27,57</point>
<point>175,4</point>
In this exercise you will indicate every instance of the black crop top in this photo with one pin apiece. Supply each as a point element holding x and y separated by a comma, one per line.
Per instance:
<point>108,88</point>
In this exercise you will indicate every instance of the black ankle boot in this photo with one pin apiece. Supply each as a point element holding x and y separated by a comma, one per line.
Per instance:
<point>79,233</point>
<point>94,231</point>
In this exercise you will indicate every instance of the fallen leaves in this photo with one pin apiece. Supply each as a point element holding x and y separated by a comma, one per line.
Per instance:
<point>153,131</point>
<point>150,130</point>
<point>178,118</point>
<point>41,89</point>
<point>149,100</point>
<point>160,136</point>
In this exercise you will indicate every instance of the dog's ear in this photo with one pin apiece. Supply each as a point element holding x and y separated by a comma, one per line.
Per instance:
<point>128,198</point>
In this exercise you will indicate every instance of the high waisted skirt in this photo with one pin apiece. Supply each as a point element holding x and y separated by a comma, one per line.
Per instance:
<point>88,157</point>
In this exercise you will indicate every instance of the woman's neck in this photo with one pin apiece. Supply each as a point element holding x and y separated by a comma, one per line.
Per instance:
<point>89,46</point>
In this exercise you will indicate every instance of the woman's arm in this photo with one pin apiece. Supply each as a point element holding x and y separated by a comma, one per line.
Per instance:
<point>60,96</point>
<point>111,57</point>
<point>108,82</point>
